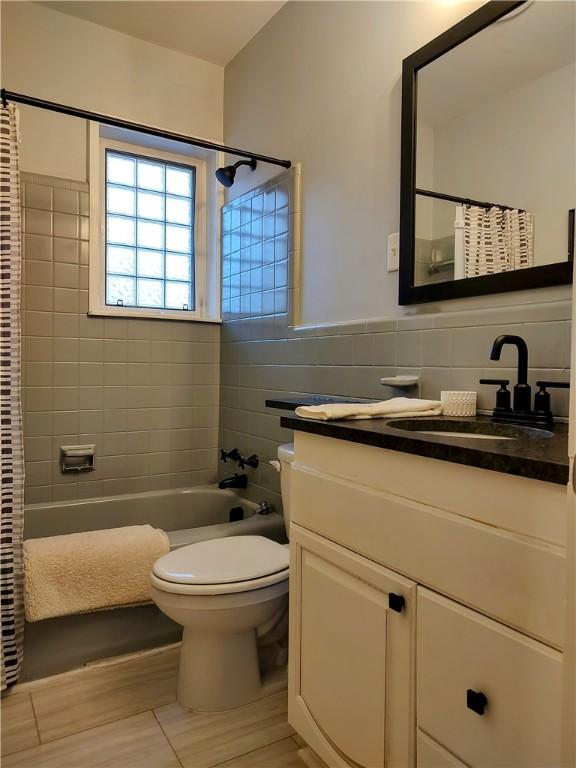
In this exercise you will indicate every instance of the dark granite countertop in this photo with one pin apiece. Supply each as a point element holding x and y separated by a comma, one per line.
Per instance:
<point>531,453</point>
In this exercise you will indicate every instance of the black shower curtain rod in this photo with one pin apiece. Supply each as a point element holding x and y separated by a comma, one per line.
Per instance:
<point>464,200</point>
<point>86,114</point>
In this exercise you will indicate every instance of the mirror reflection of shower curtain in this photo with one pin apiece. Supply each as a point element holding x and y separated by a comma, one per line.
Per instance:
<point>12,453</point>
<point>497,240</point>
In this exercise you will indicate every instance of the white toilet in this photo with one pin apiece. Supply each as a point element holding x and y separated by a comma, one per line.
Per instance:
<point>225,593</point>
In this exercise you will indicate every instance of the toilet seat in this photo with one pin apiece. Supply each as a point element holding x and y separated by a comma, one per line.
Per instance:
<point>222,566</point>
<point>230,588</point>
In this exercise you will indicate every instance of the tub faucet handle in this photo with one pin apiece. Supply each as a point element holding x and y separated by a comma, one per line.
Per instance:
<point>234,454</point>
<point>251,461</point>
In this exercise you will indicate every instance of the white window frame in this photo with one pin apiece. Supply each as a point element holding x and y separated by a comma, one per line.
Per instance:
<point>97,269</point>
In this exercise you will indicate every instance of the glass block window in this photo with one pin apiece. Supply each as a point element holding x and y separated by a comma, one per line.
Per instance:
<point>149,233</point>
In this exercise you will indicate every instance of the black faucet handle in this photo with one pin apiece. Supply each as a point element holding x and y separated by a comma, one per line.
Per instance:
<point>553,384</point>
<point>542,397</point>
<point>234,454</point>
<point>251,461</point>
<point>503,398</point>
<point>497,382</point>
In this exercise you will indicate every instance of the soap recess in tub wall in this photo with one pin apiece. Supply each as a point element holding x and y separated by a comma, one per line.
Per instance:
<point>77,458</point>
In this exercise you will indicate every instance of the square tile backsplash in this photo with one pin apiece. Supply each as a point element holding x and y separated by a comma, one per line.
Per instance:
<point>144,391</point>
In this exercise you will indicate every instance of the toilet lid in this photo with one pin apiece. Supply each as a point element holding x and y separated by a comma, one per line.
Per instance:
<point>223,561</point>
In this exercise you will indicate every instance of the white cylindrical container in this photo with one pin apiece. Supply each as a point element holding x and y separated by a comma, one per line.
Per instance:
<point>458,403</point>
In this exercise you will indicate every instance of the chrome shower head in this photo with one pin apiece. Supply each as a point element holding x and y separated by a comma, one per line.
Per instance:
<point>227,174</point>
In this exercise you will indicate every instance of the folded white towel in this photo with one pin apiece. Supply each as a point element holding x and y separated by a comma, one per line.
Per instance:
<point>396,407</point>
<point>87,571</point>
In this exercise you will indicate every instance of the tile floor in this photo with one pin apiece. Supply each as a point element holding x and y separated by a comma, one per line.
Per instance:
<point>124,714</point>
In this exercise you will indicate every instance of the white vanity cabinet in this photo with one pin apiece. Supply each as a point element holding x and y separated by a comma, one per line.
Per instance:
<point>427,610</point>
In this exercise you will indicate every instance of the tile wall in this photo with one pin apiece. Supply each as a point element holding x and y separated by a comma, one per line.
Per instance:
<point>144,391</point>
<point>266,356</point>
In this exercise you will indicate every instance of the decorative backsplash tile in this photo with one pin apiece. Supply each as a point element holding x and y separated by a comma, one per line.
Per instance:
<point>260,246</point>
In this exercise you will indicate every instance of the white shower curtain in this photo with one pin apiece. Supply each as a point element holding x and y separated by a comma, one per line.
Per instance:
<point>497,240</point>
<point>11,437</point>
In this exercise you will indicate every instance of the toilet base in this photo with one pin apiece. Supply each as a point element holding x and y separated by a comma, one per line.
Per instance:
<point>219,660</point>
<point>220,671</point>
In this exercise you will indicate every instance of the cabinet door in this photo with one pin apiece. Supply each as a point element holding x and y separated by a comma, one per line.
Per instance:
<point>351,655</point>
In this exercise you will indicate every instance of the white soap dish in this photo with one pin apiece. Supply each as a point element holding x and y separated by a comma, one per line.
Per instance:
<point>400,381</point>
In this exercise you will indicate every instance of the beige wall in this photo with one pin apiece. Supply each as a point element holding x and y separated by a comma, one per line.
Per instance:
<point>321,84</point>
<point>54,56</point>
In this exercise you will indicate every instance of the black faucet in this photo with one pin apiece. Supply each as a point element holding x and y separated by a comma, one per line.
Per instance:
<point>522,402</point>
<point>236,481</point>
<point>521,411</point>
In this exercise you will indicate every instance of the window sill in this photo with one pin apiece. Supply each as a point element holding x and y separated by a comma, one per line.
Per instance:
<point>142,314</point>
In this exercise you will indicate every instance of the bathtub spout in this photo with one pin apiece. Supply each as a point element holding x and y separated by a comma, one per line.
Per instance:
<point>236,481</point>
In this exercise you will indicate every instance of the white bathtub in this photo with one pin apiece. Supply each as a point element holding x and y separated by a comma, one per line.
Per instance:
<point>187,515</point>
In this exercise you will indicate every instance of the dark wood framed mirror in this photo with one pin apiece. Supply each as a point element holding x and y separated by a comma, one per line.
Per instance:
<point>488,188</point>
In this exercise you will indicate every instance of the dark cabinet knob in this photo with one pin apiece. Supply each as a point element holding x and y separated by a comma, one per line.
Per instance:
<point>476,701</point>
<point>396,602</point>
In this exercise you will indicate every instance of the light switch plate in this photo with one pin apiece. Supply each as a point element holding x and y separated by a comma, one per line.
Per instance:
<point>394,252</point>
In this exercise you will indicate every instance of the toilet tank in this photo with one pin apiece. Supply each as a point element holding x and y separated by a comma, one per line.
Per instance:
<point>286,457</point>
